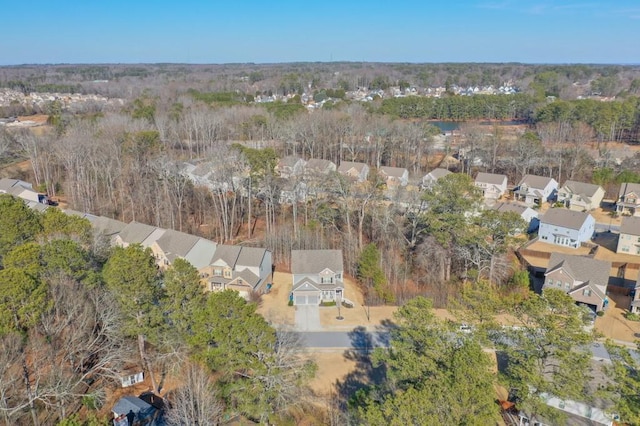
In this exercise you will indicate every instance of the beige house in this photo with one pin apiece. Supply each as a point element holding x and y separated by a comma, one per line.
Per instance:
<point>629,239</point>
<point>583,278</point>
<point>290,166</point>
<point>580,196</point>
<point>493,186</point>
<point>394,176</point>
<point>353,170</point>
<point>171,246</point>
<point>629,199</point>
<point>317,276</point>
<point>138,233</point>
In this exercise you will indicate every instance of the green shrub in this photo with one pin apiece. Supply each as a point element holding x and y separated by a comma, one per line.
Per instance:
<point>332,303</point>
<point>290,303</point>
<point>631,316</point>
<point>600,313</point>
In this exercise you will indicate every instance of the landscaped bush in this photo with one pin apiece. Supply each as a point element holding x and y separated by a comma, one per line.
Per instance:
<point>600,313</point>
<point>290,303</point>
<point>332,303</point>
<point>631,316</point>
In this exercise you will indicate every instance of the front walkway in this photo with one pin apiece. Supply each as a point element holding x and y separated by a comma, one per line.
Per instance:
<point>308,318</point>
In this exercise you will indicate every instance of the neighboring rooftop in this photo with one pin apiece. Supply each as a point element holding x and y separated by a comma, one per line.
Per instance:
<point>510,207</point>
<point>587,189</point>
<point>581,268</point>
<point>397,172</point>
<point>176,244</point>
<point>136,232</point>
<point>438,173</point>
<point>627,188</point>
<point>630,225</point>
<point>490,178</point>
<point>565,218</point>
<point>345,166</point>
<point>533,181</point>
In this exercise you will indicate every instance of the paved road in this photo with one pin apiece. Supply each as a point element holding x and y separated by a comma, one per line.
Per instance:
<point>308,318</point>
<point>360,340</point>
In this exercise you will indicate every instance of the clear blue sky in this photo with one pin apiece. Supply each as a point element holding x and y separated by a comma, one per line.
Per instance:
<point>222,31</point>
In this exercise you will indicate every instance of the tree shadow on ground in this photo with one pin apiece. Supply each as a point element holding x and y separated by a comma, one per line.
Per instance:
<point>364,373</point>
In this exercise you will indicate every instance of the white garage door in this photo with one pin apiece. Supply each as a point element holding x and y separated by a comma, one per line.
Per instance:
<point>307,299</point>
<point>301,300</point>
<point>313,300</point>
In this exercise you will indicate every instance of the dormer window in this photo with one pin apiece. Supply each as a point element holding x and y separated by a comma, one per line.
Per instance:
<point>586,292</point>
<point>217,272</point>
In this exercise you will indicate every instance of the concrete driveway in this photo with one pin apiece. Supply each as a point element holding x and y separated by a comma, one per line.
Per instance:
<point>308,318</point>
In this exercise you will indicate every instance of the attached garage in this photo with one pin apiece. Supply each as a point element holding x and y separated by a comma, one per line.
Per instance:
<point>307,299</point>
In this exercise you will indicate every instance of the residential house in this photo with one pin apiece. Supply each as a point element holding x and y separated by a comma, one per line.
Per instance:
<point>290,166</point>
<point>108,227</point>
<point>628,202</point>
<point>394,176</point>
<point>243,269</point>
<point>629,239</point>
<point>317,167</point>
<point>432,177</point>
<point>138,233</point>
<point>529,215</point>
<point>566,227</point>
<point>353,170</point>
<point>317,276</point>
<point>535,190</point>
<point>21,189</point>
<point>133,411</point>
<point>583,278</point>
<point>293,191</point>
<point>201,253</point>
<point>493,186</point>
<point>580,196</point>
<point>635,298</point>
<point>171,246</point>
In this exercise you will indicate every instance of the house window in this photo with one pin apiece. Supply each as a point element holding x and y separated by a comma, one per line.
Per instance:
<point>326,280</point>
<point>339,276</point>
<point>586,292</point>
<point>227,273</point>
<point>625,249</point>
<point>567,286</point>
<point>544,237</point>
<point>217,272</point>
<point>559,284</point>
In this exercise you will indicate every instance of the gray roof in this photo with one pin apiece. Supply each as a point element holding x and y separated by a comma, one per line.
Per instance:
<point>176,244</point>
<point>316,164</point>
<point>510,207</point>
<point>581,268</point>
<point>581,188</point>
<point>565,218</point>
<point>438,173</point>
<point>131,403</point>
<point>288,161</point>
<point>630,225</point>
<point>136,232</point>
<point>491,178</point>
<point>249,277</point>
<point>397,172</point>
<point>108,226</point>
<point>627,188</point>
<point>228,254</point>
<point>537,182</point>
<point>315,261</point>
<point>201,253</point>
<point>345,166</point>
<point>251,256</point>
<point>6,184</point>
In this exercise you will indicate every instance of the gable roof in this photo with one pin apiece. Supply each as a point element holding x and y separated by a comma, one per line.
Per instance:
<point>176,244</point>
<point>108,226</point>
<point>345,166</point>
<point>396,172</point>
<point>315,261</point>
<point>581,268</point>
<point>630,225</point>
<point>250,256</point>
<point>7,184</point>
<point>438,173</point>
<point>581,188</point>
<point>201,253</point>
<point>627,188</point>
<point>511,207</point>
<point>564,218</point>
<point>131,403</point>
<point>136,232</point>
<point>536,182</point>
<point>491,178</point>
<point>288,161</point>
<point>228,254</point>
<point>317,164</point>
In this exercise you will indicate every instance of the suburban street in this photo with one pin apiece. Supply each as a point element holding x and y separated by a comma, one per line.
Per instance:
<point>343,340</point>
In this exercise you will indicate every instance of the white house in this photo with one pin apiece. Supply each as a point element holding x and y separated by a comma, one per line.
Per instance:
<point>317,276</point>
<point>580,196</point>
<point>629,199</point>
<point>432,177</point>
<point>566,227</point>
<point>493,186</point>
<point>536,190</point>
<point>528,214</point>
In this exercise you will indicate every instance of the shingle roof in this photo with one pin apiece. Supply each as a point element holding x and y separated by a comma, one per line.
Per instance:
<point>533,181</point>
<point>315,261</point>
<point>176,244</point>
<point>250,256</point>
<point>581,188</point>
<point>6,184</point>
<point>565,218</point>
<point>316,164</point>
<point>249,277</point>
<point>136,232</point>
<point>397,172</point>
<point>510,207</point>
<point>108,226</point>
<point>201,253</point>
<point>288,161</point>
<point>581,268</point>
<point>627,188</point>
<point>630,225</point>
<point>228,254</point>
<point>345,166</point>
<point>438,173</point>
<point>130,403</point>
<point>490,178</point>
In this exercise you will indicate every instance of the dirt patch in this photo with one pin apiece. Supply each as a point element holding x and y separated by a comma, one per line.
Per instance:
<point>273,306</point>
<point>613,324</point>
<point>332,367</point>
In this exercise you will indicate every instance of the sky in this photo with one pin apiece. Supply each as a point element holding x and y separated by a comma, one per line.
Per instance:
<point>239,31</point>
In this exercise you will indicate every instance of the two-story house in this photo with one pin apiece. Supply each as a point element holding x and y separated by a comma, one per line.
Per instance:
<point>243,269</point>
<point>354,170</point>
<point>493,186</point>
<point>316,167</point>
<point>290,166</point>
<point>566,227</point>
<point>432,177</point>
<point>171,246</point>
<point>394,176</point>
<point>317,276</point>
<point>635,298</point>
<point>583,278</point>
<point>21,189</point>
<point>580,196</point>
<point>629,239</point>
<point>526,213</point>
<point>628,202</point>
<point>535,190</point>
